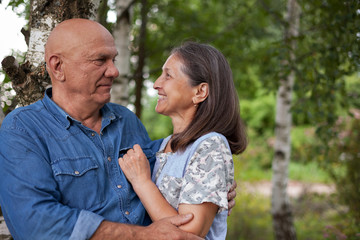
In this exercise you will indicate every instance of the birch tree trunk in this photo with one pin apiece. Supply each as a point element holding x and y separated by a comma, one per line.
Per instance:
<point>121,33</point>
<point>139,72</point>
<point>281,210</point>
<point>30,79</point>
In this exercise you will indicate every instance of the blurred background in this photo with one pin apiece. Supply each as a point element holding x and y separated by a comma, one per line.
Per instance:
<point>306,50</point>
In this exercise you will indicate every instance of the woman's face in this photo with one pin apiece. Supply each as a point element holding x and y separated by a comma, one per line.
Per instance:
<point>175,94</point>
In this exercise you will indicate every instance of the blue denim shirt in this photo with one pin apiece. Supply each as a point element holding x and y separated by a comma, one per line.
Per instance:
<point>60,179</point>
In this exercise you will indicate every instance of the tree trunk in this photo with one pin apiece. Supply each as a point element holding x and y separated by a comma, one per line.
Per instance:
<point>30,79</point>
<point>281,210</point>
<point>121,33</point>
<point>139,72</point>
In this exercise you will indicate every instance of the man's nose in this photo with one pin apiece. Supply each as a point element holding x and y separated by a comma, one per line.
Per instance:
<point>111,70</point>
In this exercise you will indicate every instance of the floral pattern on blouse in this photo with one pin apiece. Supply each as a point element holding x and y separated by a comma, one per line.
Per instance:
<point>208,176</point>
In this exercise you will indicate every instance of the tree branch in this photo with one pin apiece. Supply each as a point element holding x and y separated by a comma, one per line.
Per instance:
<point>125,12</point>
<point>13,70</point>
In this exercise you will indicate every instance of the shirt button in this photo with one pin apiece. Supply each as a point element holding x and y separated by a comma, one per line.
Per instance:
<point>92,134</point>
<point>109,159</point>
<point>119,186</point>
<point>77,172</point>
<point>127,213</point>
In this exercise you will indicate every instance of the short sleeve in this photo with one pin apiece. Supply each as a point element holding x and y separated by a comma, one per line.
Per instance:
<point>209,174</point>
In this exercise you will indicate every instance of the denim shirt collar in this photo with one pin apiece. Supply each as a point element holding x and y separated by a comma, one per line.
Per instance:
<point>65,119</point>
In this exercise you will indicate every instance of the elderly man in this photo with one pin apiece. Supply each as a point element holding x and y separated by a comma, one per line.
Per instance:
<point>59,176</point>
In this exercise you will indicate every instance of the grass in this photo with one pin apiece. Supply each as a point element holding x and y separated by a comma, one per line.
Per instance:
<point>315,216</point>
<point>308,172</point>
<point>250,218</point>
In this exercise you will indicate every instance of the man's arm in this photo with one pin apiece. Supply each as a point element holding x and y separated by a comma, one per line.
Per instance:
<point>29,195</point>
<point>164,229</point>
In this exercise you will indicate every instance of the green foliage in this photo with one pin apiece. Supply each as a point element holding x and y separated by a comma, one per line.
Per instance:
<point>157,125</point>
<point>255,163</point>
<point>328,50</point>
<point>5,93</point>
<point>259,113</point>
<point>256,159</point>
<point>227,25</point>
<point>250,34</point>
<point>353,90</point>
<point>304,144</point>
<point>8,101</point>
<point>315,217</point>
<point>308,172</point>
<point>250,218</point>
<point>21,4</point>
<point>321,217</point>
<point>345,154</point>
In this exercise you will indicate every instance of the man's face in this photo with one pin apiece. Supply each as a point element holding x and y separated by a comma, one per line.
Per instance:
<point>90,70</point>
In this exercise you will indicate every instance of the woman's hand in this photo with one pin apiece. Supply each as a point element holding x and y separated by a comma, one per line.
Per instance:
<point>135,165</point>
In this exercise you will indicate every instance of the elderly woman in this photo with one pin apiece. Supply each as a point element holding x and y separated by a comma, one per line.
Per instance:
<point>194,168</point>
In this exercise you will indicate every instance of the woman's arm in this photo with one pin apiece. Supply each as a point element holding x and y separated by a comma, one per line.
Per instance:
<point>137,170</point>
<point>204,215</point>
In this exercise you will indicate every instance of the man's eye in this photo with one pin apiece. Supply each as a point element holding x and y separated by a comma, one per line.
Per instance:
<point>99,61</point>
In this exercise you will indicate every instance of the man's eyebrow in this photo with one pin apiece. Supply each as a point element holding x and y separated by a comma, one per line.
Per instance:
<point>103,55</point>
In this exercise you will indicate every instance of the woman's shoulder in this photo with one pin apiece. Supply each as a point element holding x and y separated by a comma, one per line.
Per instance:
<point>215,136</point>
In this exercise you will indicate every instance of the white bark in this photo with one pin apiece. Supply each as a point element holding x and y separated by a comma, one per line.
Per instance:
<point>121,33</point>
<point>38,38</point>
<point>94,8</point>
<point>40,31</point>
<point>45,15</point>
<point>281,210</point>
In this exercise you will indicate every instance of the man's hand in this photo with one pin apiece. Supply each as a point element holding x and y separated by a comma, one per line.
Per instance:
<point>231,197</point>
<point>167,228</point>
<point>164,229</point>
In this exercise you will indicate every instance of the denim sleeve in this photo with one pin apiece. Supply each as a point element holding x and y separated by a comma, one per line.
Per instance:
<point>29,196</point>
<point>86,225</point>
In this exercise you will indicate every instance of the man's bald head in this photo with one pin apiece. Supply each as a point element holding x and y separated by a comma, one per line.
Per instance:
<point>80,56</point>
<point>73,34</point>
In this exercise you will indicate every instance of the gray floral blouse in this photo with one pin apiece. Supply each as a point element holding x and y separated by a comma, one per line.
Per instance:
<point>204,172</point>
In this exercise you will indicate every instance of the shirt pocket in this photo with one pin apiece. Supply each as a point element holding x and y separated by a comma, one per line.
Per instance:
<point>170,187</point>
<point>147,151</point>
<point>79,182</point>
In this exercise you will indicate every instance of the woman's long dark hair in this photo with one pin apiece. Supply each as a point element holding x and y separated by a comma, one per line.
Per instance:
<point>220,112</point>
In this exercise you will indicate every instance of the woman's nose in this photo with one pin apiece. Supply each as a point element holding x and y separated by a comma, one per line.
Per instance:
<point>157,83</point>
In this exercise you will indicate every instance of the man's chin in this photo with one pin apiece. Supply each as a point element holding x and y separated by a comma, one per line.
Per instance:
<point>104,98</point>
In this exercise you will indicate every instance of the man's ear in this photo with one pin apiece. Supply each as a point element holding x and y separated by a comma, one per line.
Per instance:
<point>202,92</point>
<point>56,67</point>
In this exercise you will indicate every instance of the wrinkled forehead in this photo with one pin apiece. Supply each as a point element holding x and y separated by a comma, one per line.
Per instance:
<point>78,34</point>
<point>173,59</point>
